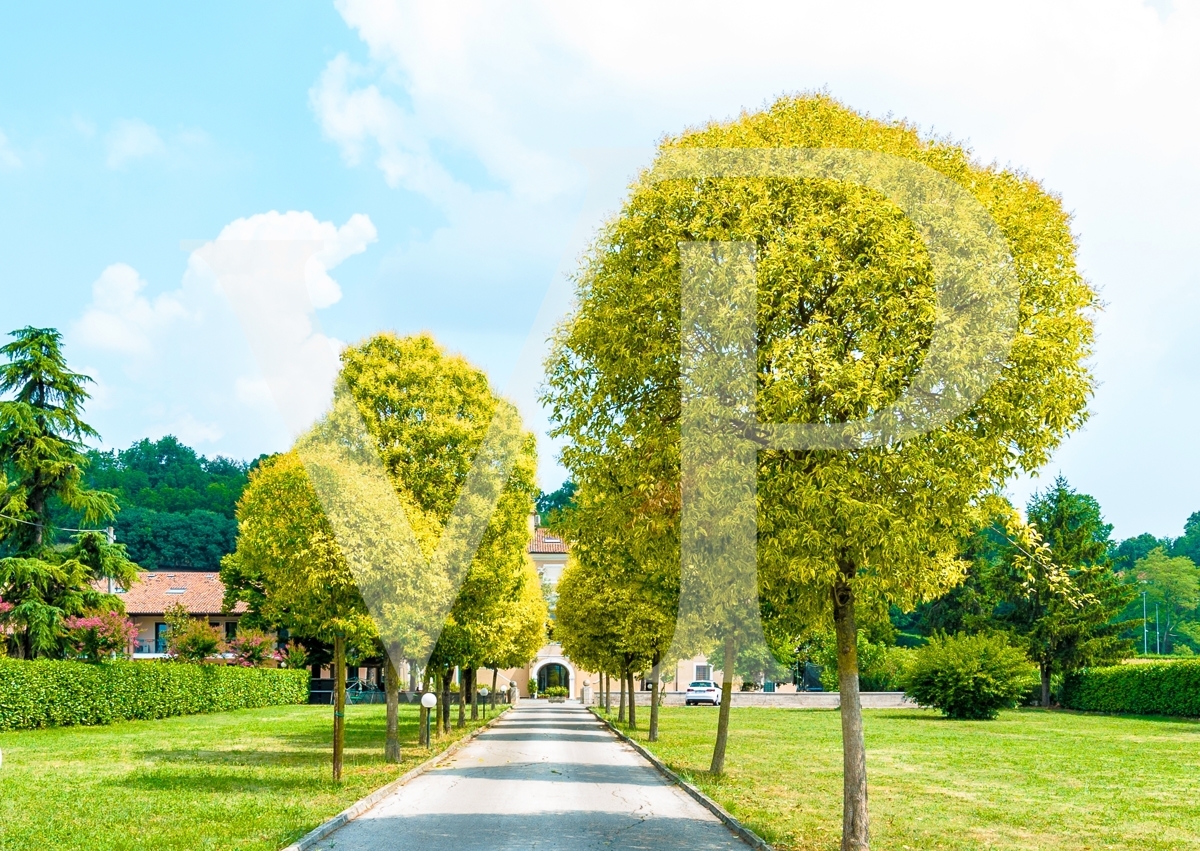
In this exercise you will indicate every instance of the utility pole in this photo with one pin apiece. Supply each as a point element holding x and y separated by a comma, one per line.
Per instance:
<point>1145,627</point>
<point>1157,642</point>
<point>111,534</point>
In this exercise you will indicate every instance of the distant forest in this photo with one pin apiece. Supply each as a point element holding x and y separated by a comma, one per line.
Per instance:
<point>177,507</point>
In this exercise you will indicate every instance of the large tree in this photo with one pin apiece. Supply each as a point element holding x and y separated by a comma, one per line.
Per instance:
<point>42,461</point>
<point>458,453</point>
<point>423,480</point>
<point>41,440</point>
<point>289,565</point>
<point>847,309</point>
<point>1062,600</point>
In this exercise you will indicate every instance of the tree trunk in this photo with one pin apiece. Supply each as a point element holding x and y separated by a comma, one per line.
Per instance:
<point>339,705</point>
<point>1045,670</point>
<point>621,711</point>
<point>495,682</point>
<point>474,696</point>
<point>605,693</point>
<point>855,833</point>
<point>445,728</point>
<point>632,702</point>
<point>391,750</point>
<point>412,676</point>
<point>464,680</point>
<point>718,758</point>
<point>654,690</point>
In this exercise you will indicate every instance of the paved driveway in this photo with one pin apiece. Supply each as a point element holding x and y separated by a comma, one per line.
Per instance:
<point>545,777</point>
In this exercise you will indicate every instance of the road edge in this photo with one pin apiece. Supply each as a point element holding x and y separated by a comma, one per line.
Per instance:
<point>746,834</point>
<point>359,807</point>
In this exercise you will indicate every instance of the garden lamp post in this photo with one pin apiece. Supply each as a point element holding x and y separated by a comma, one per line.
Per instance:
<point>429,701</point>
<point>484,692</point>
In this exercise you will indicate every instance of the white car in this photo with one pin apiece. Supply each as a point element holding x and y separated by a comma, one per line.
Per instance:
<point>702,691</point>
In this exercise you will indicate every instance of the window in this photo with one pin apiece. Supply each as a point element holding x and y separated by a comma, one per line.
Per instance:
<point>230,630</point>
<point>703,672</point>
<point>160,638</point>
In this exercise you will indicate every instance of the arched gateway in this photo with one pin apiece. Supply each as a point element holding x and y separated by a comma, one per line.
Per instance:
<point>554,674</point>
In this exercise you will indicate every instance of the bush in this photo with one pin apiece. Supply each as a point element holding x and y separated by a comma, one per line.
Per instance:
<point>880,668</point>
<point>1158,688</point>
<point>968,676</point>
<point>99,638</point>
<point>292,656</point>
<point>190,639</point>
<point>45,693</point>
<point>556,691</point>
<point>251,648</point>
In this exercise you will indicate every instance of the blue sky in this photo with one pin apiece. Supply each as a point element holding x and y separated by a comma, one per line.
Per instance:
<point>455,158</point>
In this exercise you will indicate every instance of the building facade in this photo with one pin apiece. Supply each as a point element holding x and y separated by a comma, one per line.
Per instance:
<point>147,600</point>
<point>551,667</point>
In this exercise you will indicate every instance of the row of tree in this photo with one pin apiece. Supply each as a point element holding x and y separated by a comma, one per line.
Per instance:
<point>1085,603</point>
<point>324,555</point>
<point>176,507</point>
<point>327,551</point>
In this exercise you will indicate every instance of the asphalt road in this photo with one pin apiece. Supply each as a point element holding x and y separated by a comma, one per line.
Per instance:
<point>545,777</point>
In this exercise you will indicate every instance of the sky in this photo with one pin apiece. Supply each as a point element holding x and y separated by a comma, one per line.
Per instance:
<point>449,163</point>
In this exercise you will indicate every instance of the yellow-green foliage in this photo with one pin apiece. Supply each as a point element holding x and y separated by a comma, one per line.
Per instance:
<point>846,305</point>
<point>287,548</point>
<point>45,693</point>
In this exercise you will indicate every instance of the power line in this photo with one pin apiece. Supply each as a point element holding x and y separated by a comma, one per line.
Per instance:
<point>49,526</point>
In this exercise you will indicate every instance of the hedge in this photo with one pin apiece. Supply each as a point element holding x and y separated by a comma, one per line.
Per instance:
<point>45,693</point>
<point>1160,688</point>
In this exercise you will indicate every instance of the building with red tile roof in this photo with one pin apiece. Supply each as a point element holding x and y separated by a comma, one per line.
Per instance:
<point>200,592</point>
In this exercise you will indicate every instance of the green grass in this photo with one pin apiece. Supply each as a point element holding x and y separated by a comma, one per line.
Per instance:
<point>1029,780</point>
<point>254,779</point>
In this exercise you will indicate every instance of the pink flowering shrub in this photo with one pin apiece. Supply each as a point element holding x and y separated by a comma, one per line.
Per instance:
<point>251,648</point>
<point>99,638</point>
<point>292,656</point>
<point>5,608</point>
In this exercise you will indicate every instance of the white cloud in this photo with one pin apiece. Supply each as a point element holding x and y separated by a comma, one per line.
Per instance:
<point>1093,97</point>
<point>274,270</point>
<point>229,360</point>
<point>120,318</point>
<point>8,157</point>
<point>131,139</point>
<point>331,245</point>
<point>352,118</point>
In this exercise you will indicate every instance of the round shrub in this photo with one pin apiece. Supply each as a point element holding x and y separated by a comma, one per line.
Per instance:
<point>968,676</point>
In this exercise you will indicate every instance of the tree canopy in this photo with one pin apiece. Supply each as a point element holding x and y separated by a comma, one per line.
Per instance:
<point>44,580</point>
<point>847,305</point>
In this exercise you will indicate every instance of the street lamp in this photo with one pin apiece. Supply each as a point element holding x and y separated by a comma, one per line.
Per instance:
<point>429,701</point>
<point>484,692</point>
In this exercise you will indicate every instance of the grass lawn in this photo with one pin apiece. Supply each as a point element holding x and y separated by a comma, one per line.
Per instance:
<point>254,779</point>
<point>1029,780</point>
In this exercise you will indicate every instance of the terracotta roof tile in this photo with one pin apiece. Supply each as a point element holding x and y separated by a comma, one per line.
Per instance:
<point>155,591</point>
<point>545,541</point>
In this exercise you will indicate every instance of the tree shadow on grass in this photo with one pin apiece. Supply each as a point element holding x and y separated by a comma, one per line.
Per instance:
<point>191,783</point>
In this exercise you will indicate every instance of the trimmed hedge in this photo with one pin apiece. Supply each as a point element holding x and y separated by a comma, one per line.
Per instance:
<point>45,693</point>
<point>1159,688</point>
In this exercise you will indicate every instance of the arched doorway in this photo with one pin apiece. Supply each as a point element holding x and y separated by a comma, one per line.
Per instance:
<point>552,675</point>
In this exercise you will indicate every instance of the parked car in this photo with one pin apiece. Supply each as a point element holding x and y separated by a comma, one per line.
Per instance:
<point>702,691</point>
